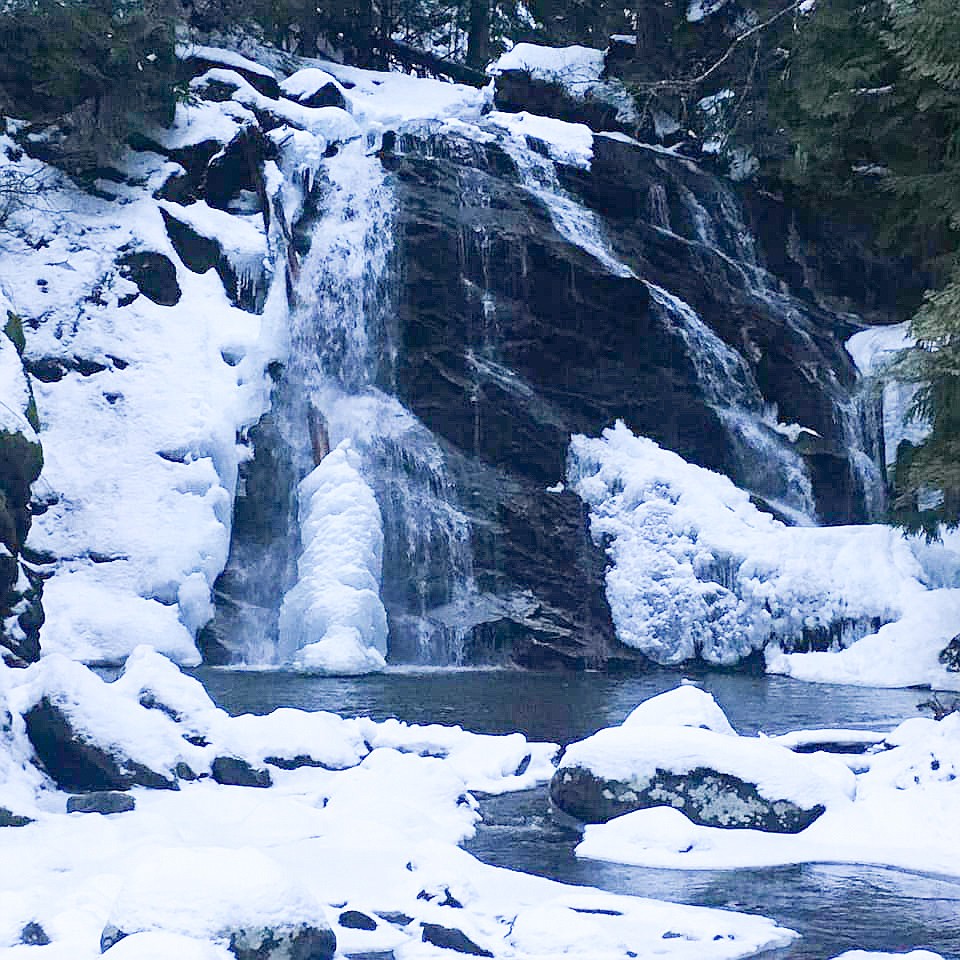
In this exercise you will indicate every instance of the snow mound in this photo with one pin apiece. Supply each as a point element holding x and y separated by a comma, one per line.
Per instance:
<point>158,945</point>
<point>205,892</point>
<point>684,706</point>
<point>332,620</point>
<point>696,570</point>
<point>572,67</point>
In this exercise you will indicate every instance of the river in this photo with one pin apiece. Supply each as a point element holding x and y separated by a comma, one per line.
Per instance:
<point>834,907</point>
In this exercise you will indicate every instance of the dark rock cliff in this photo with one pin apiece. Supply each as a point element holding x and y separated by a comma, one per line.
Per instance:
<point>511,338</point>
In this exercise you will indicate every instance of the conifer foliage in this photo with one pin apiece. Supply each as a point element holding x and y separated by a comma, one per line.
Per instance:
<point>112,58</point>
<point>871,99</point>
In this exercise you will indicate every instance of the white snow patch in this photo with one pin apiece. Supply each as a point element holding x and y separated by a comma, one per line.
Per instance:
<point>684,706</point>
<point>572,67</point>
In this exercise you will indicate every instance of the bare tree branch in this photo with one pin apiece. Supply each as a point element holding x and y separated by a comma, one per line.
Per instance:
<point>690,82</point>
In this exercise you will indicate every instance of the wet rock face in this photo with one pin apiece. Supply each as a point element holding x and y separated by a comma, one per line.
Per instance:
<point>511,338</point>
<point>710,798</point>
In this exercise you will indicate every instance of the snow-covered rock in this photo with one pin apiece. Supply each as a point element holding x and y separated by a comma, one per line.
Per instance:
<point>715,778</point>
<point>898,810</point>
<point>239,897</point>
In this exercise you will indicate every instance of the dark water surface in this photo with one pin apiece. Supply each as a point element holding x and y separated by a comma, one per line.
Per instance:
<point>834,907</point>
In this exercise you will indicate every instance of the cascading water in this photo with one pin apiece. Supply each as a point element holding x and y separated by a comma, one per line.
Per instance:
<point>338,556</point>
<point>769,467</point>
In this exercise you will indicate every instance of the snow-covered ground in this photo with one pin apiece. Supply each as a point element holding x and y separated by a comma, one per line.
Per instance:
<point>901,811</point>
<point>374,830</point>
<point>697,570</point>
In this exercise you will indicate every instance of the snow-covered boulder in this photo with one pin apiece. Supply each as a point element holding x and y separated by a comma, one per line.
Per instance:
<point>714,778</point>
<point>199,59</point>
<point>313,87</point>
<point>89,737</point>
<point>239,897</point>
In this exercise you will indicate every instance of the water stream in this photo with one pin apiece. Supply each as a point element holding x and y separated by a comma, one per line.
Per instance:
<point>834,907</point>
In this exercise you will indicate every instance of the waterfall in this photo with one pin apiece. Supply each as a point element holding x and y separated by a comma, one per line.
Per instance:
<point>769,466</point>
<point>366,525</point>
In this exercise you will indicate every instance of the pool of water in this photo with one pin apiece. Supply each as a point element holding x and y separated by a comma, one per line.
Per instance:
<point>834,907</point>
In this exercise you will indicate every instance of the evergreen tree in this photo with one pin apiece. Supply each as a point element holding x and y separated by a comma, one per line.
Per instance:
<point>871,98</point>
<point>114,57</point>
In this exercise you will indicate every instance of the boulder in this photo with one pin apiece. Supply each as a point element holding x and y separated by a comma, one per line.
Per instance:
<point>33,935</point>
<point>716,779</point>
<point>154,274</point>
<point>950,655</point>
<point>450,938</point>
<point>232,771</point>
<point>101,801</point>
<point>708,797</point>
<point>10,819</point>
<point>314,88</point>
<point>355,920</point>
<point>75,763</point>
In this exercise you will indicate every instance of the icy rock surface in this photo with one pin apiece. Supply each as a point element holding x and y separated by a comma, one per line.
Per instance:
<point>696,570</point>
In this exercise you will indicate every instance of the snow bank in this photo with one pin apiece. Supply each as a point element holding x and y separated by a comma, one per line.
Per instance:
<point>204,892</point>
<point>140,449</point>
<point>333,620</point>
<point>697,570</point>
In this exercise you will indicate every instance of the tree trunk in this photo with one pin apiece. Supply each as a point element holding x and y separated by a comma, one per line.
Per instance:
<point>478,37</point>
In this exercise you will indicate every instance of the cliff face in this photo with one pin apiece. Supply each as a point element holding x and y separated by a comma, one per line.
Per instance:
<point>632,289</point>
